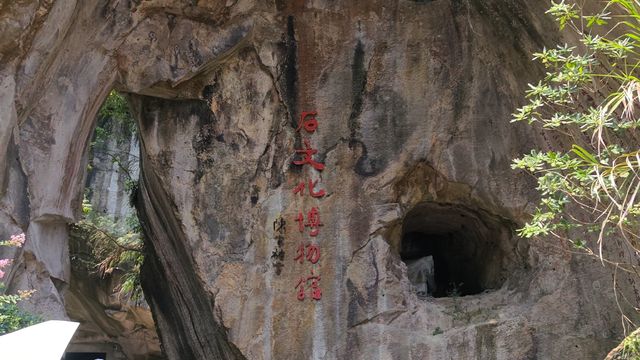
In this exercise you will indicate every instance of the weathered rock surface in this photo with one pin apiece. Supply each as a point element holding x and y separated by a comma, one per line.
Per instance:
<point>109,324</point>
<point>413,102</point>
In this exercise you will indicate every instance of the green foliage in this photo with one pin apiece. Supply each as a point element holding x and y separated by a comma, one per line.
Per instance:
<point>13,318</point>
<point>564,13</point>
<point>631,347</point>
<point>590,96</point>
<point>114,118</point>
<point>104,247</point>
<point>115,106</point>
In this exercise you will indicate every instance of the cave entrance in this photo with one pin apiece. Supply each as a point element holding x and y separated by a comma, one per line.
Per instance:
<point>451,250</point>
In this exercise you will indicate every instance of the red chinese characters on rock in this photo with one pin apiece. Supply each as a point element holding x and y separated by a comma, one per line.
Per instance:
<point>309,125</point>
<point>308,252</point>
<point>307,158</point>
<point>313,222</point>
<point>312,253</point>
<point>316,292</point>
<point>312,184</point>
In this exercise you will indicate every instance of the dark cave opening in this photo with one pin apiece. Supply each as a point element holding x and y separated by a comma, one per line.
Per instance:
<point>452,250</point>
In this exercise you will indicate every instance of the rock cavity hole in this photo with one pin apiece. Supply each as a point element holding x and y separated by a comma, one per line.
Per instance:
<point>451,250</point>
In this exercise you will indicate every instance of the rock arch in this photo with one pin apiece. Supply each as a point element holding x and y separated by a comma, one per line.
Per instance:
<point>217,89</point>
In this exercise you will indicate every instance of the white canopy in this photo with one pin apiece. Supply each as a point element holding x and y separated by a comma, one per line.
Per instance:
<point>44,341</point>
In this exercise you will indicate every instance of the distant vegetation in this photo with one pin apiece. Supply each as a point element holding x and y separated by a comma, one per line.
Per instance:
<point>115,122</point>
<point>112,114</point>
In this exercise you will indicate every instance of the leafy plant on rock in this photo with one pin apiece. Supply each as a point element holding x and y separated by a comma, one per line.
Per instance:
<point>12,317</point>
<point>590,96</point>
<point>109,247</point>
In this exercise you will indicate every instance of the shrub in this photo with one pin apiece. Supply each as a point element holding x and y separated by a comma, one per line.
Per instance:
<point>13,318</point>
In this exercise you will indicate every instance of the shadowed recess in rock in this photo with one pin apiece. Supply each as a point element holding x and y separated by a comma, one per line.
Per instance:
<point>455,250</point>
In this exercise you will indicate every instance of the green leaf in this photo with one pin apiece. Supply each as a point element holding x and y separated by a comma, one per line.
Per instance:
<point>583,154</point>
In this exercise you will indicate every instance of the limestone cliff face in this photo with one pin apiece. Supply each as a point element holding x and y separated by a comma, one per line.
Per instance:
<point>413,102</point>
<point>114,164</point>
